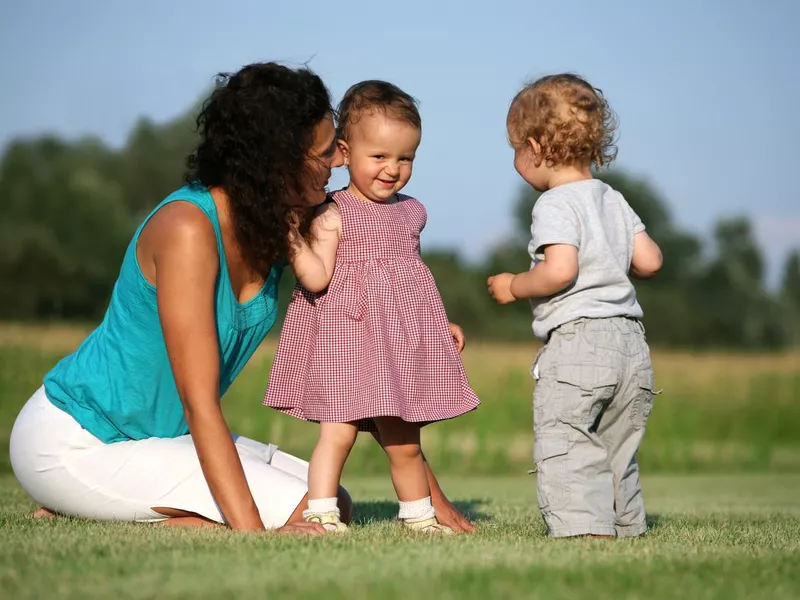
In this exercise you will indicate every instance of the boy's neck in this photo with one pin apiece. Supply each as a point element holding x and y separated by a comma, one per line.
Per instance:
<point>570,174</point>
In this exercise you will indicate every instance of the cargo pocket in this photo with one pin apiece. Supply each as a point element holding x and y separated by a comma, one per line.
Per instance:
<point>550,455</point>
<point>643,402</point>
<point>583,392</point>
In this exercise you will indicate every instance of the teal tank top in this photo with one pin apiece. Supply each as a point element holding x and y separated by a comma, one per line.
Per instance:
<point>118,384</point>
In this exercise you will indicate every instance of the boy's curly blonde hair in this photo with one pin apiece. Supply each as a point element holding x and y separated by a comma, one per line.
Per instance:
<point>570,119</point>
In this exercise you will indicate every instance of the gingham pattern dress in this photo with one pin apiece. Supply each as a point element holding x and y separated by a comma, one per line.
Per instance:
<point>377,342</point>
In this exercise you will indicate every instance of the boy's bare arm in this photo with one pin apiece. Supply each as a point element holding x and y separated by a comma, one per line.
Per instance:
<point>647,259</point>
<point>556,272</point>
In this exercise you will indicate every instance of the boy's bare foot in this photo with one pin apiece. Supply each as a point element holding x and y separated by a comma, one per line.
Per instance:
<point>44,513</point>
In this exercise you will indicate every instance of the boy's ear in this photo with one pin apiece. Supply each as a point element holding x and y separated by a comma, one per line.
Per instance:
<point>536,149</point>
<point>345,150</point>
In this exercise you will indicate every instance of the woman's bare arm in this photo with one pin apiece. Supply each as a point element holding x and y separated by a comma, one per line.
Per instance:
<point>186,264</point>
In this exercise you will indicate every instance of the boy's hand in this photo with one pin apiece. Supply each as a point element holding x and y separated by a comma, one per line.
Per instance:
<point>458,336</point>
<point>500,288</point>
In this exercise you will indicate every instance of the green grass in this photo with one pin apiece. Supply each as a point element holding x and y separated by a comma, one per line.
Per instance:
<point>718,413</point>
<point>711,537</point>
<point>730,535</point>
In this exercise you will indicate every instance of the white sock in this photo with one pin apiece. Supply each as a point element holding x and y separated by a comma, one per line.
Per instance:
<point>415,511</point>
<point>322,505</point>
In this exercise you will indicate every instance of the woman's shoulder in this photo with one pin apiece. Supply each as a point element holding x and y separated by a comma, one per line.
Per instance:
<point>182,222</point>
<point>181,231</point>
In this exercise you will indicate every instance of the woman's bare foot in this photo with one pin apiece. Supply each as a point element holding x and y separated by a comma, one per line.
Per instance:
<point>44,513</point>
<point>183,518</point>
<point>188,522</point>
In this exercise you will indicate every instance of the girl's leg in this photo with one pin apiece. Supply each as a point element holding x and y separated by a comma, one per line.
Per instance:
<point>298,467</point>
<point>325,471</point>
<point>401,441</point>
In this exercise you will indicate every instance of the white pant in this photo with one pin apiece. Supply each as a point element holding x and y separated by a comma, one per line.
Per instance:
<point>65,468</point>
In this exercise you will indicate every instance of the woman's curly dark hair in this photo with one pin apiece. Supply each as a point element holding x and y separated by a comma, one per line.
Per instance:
<point>256,130</point>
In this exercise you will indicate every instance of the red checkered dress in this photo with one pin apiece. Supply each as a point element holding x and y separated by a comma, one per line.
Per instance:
<point>377,342</point>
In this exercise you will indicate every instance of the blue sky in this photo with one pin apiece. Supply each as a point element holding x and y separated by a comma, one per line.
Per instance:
<point>705,90</point>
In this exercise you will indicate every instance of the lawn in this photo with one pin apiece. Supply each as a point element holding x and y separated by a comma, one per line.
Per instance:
<point>721,464</point>
<point>711,537</point>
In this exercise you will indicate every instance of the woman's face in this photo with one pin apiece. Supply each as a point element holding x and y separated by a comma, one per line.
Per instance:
<point>324,155</point>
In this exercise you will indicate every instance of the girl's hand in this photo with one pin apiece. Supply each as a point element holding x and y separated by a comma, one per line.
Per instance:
<point>458,336</point>
<point>500,288</point>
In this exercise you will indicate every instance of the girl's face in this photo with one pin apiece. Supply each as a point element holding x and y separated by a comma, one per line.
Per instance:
<point>380,155</point>
<point>323,156</point>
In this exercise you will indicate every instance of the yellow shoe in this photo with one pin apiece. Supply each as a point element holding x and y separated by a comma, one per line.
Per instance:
<point>329,520</point>
<point>429,526</point>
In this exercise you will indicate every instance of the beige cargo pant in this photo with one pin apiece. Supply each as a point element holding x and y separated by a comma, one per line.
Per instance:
<point>592,400</point>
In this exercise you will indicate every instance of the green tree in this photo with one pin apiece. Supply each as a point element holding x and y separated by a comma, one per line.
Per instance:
<point>463,292</point>
<point>65,231</point>
<point>790,296</point>
<point>152,163</point>
<point>70,210</point>
<point>732,302</point>
<point>790,286</point>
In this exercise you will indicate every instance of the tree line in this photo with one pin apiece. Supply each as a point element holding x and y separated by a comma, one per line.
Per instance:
<point>70,208</point>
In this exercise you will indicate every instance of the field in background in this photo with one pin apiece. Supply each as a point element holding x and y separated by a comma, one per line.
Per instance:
<point>719,412</point>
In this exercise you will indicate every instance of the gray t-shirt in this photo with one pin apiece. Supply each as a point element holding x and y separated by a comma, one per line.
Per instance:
<point>597,220</point>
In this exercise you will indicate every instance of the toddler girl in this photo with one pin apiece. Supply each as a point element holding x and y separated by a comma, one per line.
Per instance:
<point>366,343</point>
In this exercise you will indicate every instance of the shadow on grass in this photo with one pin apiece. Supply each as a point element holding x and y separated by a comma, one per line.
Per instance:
<point>655,522</point>
<point>386,510</point>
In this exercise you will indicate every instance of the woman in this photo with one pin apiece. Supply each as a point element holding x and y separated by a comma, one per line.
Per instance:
<point>129,427</point>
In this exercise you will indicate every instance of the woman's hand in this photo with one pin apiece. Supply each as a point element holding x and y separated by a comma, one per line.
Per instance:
<point>448,514</point>
<point>301,528</point>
